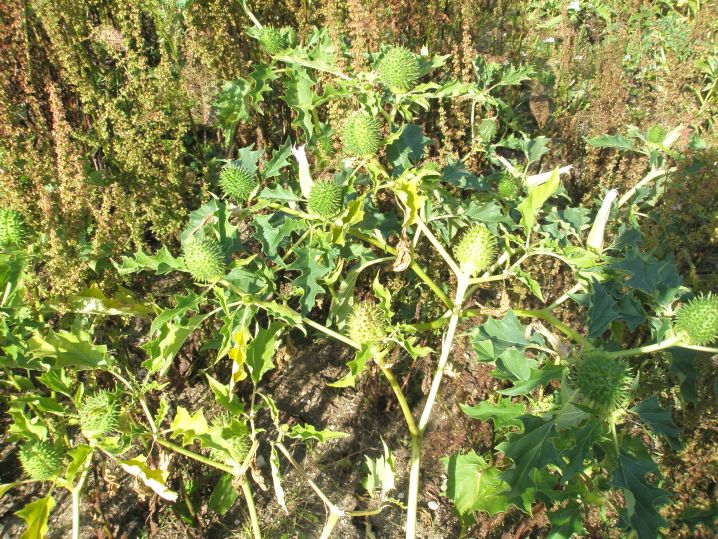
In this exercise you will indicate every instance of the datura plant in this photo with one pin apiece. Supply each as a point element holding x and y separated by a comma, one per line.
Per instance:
<point>302,239</point>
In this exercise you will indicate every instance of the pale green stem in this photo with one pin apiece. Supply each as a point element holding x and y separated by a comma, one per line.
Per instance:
<point>408,417</point>
<point>440,248</point>
<point>652,175</point>
<point>416,441</point>
<point>76,493</point>
<point>545,314</point>
<point>332,520</point>
<point>330,506</point>
<point>251,509</point>
<point>331,333</point>
<point>648,349</point>
<point>199,458</point>
<point>708,349</point>
<point>140,398</point>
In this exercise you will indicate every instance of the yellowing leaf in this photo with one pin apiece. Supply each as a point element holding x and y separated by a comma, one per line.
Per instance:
<point>154,479</point>
<point>238,354</point>
<point>406,189</point>
<point>189,426</point>
<point>35,515</point>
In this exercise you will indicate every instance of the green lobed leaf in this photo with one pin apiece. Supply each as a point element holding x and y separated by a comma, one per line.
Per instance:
<point>601,310</point>
<point>309,264</point>
<point>475,486</point>
<point>261,351</point>
<point>641,497</point>
<point>504,413</point>
<point>162,262</point>
<point>531,450</point>
<point>68,349</point>
<point>566,522</point>
<point>659,420</point>
<point>611,141</point>
<point>494,337</point>
<point>94,301</point>
<point>170,338</point>
<point>309,432</point>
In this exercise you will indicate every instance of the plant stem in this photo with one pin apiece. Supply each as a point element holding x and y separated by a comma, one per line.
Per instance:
<point>437,245</point>
<point>416,441</point>
<point>400,397</point>
<point>331,522</point>
<point>331,333</point>
<point>76,493</point>
<point>546,315</point>
<point>191,454</point>
<point>413,265</point>
<point>251,508</point>
<point>668,343</point>
<point>652,175</point>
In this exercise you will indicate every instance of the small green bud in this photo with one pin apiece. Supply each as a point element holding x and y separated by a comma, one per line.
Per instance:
<point>204,259</point>
<point>12,229</point>
<point>41,461</point>
<point>237,182</point>
<point>656,134</point>
<point>476,250</point>
<point>361,135</point>
<point>325,199</point>
<point>509,186</point>
<point>697,321</point>
<point>399,70</point>
<point>99,414</point>
<point>367,323</point>
<point>274,41</point>
<point>604,381</point>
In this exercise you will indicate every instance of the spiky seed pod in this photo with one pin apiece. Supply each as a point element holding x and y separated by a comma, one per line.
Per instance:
<point>361,135</point>
<point>399,70</point>
<point>203,258</point>
<point>656,134</point>
<point>509,186</point>
<point>604,381</point>
<point>697,321</point>
<point>271,40</point>
<point>325,199</point>
<point>12,228</point>
<point>275,41</point>
<point>41,461</point>
<point>237,182</point>
<point>237,449</point>
<point>476,250</point>
<point>367,323</point>
<point>99,414</point>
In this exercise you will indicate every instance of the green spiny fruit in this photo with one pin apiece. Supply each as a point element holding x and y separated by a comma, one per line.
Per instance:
<point>399,70</point>
<point>99,414</point>
<point>697,321</point>
<point>367,323</point>
<point>509,186</point>
<point>361,135</point>
<point>204,259</point>
<point>12,228</point>
<point>237,449</point>
<point>487,130</point>
<point>237,182</point>
<point>604,381</point>
<point>656,134</point>
<point>41,461</point>
<point>325,199</point>
<point>274,41</point>
<point>476,250</point>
